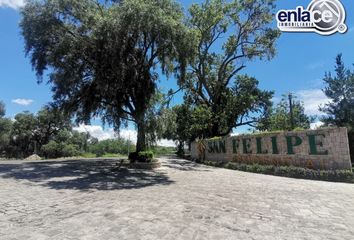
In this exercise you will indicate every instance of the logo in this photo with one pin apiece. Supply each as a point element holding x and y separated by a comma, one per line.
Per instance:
<point>324,17</point>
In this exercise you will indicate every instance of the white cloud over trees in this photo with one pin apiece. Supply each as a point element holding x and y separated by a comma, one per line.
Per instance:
<point>15,4</point>
<point>22,101</point>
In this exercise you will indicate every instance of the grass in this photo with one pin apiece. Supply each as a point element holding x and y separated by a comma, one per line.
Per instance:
<point>289,171</point>
<point>160,151</point>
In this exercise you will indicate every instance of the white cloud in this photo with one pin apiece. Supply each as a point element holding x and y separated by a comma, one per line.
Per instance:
<point>15,4</point>
<point>104,134</point>
<point>97,131</point>
<point>21,101</point>
<point>313,98</point>
<point>315,65</point>
<point>131,135</point>
<point>234,134</point>
<point>166,143</point>
<point>316,125</point>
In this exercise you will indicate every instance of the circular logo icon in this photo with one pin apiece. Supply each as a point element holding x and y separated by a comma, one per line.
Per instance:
<point>329,16</point>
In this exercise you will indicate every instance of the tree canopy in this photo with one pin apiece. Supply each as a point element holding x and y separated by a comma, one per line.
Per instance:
<point>214,82</point>
<point>340,90</point>
<point>103,56</point>
<point>30,132</point>
<point>279,117</point>
<point>5,129</point>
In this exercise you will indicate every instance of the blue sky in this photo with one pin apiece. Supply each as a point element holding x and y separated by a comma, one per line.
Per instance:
<point>298,67</point>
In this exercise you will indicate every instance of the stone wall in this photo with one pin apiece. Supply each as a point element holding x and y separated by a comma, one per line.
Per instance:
<point>317,149</point>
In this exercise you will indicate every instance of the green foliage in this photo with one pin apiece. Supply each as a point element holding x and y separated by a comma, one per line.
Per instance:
<point>278,117</point>
<point>145,156</point>
<point>112,146</point>
<point>289,171</point>
<point>2,109</point>
<point>60,149</point>
<point>216,92</point>
<point>22,138</point>
<point>5,130</point>
<point>176,124</point>
<point>104,56</point>
<point>30,132</point>
<point>159,150</point>
<point>340,90</point>
<point>40,133</point>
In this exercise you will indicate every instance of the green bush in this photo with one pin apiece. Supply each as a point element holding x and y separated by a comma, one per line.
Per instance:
<point>51,150</point>
<point>289,171</point>
<point>112,146</point>
<point>70,150</point>
<point>58,150</point>
<point>146,156</point>
<point>158,150</point>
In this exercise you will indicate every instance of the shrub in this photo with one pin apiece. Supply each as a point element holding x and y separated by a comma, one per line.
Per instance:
<point>158,150</point>
<point>70,150</point>
<point>51,150</point>
<point>289,171</point>
<point>58,150</point>
<point>111,146</point>
<point>146,156</point>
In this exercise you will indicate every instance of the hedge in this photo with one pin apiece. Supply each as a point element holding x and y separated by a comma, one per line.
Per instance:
<point>289,171</point>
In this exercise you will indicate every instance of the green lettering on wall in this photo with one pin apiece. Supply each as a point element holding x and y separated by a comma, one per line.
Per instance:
<point>235,145</point>
<point>246,146</point>
<point>275,145</point>
<point>313,144</point>
<point>259,146</point>
<point>222,146</point>
<point>291,144</point>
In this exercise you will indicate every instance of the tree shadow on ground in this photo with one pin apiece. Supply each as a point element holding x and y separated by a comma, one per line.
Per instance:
<point>184,165</point>
<point>83,175</point>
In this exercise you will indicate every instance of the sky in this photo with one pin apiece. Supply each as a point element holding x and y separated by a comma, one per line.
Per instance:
<point>299,67</point>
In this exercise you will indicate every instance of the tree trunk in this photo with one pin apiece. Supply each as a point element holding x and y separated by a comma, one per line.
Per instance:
<point>180,150</point>
<point>141,141</point>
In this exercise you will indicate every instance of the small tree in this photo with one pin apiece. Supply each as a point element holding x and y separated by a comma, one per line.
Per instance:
<point>279,117</point>
<point>340,89</point>
<point>183,123</point>
<point>5,129</point>
<point>176,125</point>
<point>23,132</point>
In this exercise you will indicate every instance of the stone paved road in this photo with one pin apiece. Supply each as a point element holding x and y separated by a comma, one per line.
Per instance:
<point>182,200</point>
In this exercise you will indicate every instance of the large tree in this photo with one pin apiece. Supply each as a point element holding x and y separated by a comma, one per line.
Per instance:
<point>280,117</point>
<point>229,34</point>
<point>49,122</point>
<point>30,131</point>
<point>5,129</point>
<point>340,90</point>
<point>22,142</point>
<point>104,56</point>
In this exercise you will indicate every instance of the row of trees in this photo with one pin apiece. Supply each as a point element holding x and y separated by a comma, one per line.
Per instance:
<point>183,123</point>
<point>106,56</point>
<point>103,58</point>
<point>50,134</point>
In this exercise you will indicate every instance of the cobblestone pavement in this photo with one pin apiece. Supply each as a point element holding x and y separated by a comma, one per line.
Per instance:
<point>82,199</point>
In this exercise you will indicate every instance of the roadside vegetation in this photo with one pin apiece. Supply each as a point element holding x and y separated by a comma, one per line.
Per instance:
<point>289,171</point>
